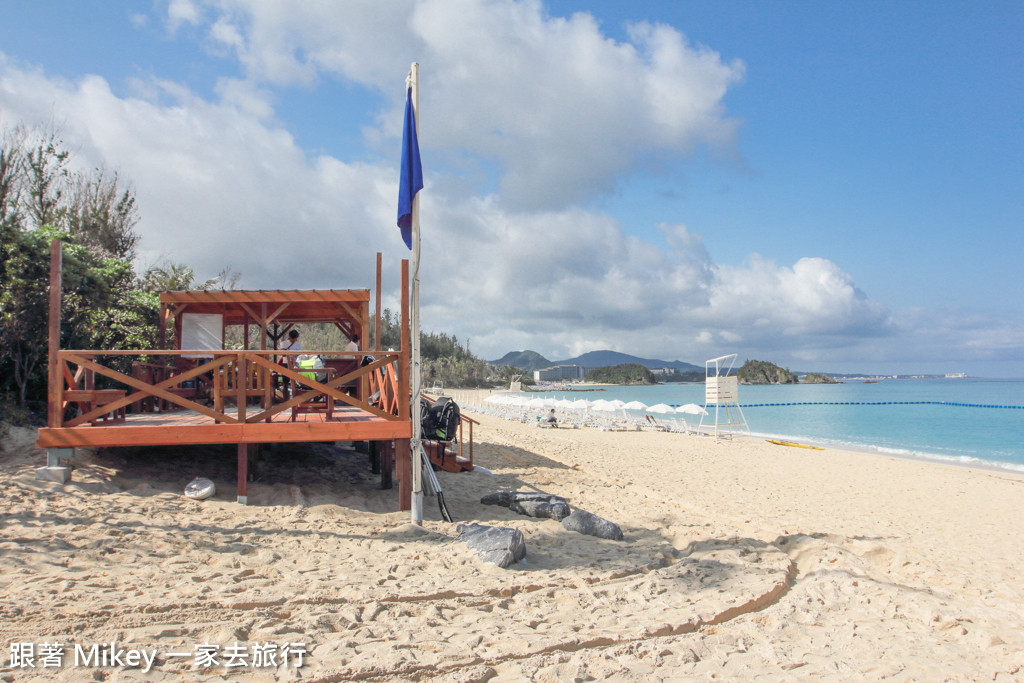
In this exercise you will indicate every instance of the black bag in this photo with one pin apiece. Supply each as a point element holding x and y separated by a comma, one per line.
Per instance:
<point>441,419</point>
<point>426,422</point>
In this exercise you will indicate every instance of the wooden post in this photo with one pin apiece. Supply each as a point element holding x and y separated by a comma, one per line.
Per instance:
<point>403,470</point>
<point>162,326</point>
<point>403,449</point>
<point>242,386</point>
<point>243,473</point>
<point>268,377</point>
<point>55,379</point>
<point>387,463</point>
<point>376,335</point>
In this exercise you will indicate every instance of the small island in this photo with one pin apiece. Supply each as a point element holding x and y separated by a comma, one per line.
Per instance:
<point>763,372</point>
<point>819,378</point>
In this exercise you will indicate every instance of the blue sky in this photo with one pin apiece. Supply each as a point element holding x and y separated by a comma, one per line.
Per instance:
<point>831,186</point>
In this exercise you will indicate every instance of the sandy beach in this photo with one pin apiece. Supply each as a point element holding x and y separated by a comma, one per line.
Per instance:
<point>741,560</point>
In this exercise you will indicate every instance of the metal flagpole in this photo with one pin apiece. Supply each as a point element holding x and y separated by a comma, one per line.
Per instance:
<point>413,83</point>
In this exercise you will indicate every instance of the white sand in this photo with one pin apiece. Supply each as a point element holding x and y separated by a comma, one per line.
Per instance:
<point>742,560</point>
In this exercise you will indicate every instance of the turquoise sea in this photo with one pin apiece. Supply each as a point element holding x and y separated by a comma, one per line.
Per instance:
<point>969,421</point>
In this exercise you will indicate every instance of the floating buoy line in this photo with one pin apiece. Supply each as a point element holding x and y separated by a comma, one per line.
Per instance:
<point>881,403</point>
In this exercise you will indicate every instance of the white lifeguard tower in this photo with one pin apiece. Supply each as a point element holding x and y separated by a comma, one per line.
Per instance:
<point>721,390</point>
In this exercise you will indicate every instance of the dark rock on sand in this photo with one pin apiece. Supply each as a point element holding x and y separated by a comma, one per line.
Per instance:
<point>588,523</point>
<point>506,498</point>
<point>536,508</point>
<point>497,545</point>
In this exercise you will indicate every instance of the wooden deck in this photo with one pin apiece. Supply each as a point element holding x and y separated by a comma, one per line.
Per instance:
<point>190,427</point>
<point>199,392</point>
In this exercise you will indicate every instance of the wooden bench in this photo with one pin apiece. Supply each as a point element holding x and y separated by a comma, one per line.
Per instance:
<point>322,403</point>
<point>88,399</point>
<point>341,367</point>
<point>228,384</point>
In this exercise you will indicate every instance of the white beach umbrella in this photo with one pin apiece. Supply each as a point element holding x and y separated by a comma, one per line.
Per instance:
<point>535,403</point>
<point>496,398</point>
<point>635,405</point>
<point>691,409</point>
<point>550,402</point>
<point>564,404</point>
<point>661,408</point>
<point>518,401</point>
<point>581,404</point>
<point>602,405</point>
<point>617,403</point>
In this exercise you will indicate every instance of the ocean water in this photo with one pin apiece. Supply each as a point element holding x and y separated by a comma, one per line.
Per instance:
<point>941,419</point>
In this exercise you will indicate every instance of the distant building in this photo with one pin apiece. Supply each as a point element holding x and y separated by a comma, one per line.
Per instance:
<point>662,371</point>
<point>559,373</point>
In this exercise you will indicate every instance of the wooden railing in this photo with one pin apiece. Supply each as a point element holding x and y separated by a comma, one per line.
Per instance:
<point>187,377</point>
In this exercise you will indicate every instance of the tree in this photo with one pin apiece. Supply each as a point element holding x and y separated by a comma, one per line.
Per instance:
<point>12,169</point>
<point>505,374</point>
<point>103,216</point>
<point>47,180</point>
<point>390,331</point>
<point>177,277</point>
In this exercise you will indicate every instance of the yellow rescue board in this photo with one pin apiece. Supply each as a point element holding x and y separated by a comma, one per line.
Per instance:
<point>790,443</point>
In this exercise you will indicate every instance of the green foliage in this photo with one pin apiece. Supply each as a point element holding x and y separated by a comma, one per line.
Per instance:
<point>505,374</point>
<point>763,372</point>
<point>390,331</point>
<point>443,359</point>
<point>455,372</point>
<point>178,277</point>
<point>630,373</point>
<point>102,216</point>
<point>91,287</point>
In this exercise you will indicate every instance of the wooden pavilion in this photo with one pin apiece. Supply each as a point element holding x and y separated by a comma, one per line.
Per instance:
<point>199,392</point>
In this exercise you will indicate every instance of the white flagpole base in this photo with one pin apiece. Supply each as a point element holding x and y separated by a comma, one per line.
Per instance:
<point>417,480</point>
<point>417,508</point>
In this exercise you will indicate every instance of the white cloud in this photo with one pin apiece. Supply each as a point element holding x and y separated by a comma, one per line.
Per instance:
<point>182,12</point>
<point>560,108</point>
<point>812,297</point>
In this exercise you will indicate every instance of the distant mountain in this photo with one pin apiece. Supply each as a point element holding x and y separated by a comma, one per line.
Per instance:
<point>531,360</point>
<point>527,360</point>
<point>601,359</point>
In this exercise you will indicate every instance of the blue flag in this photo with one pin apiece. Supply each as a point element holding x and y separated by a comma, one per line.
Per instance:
<point>411,181</point>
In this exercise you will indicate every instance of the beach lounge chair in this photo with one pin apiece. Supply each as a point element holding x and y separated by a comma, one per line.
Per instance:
<point>652,423</point>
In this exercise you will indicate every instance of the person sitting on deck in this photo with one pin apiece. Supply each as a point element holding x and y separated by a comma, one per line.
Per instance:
<point>353,344</point>
<point>293,345</point>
